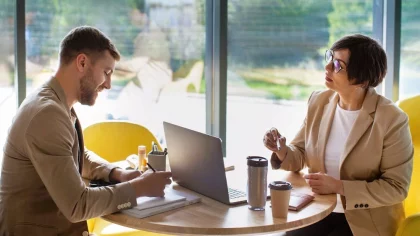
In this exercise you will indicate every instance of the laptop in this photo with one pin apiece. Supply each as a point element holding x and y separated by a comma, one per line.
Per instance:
<point>196,162</point>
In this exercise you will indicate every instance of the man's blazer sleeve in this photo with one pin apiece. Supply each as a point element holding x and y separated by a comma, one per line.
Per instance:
<point>95,167</point>
<point>49,141</point>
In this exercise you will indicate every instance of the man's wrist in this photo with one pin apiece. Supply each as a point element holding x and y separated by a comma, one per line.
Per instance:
<point>136,184</point>
<point>115,175</point>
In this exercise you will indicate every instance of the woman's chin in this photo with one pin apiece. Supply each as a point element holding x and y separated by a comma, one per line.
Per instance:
<point>328,84</point>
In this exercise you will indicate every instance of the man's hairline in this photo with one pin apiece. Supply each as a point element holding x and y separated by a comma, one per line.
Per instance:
<point>92,58</point>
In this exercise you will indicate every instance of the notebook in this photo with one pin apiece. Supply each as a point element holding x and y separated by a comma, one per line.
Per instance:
<point>148,206</point>
<point>150,202</point>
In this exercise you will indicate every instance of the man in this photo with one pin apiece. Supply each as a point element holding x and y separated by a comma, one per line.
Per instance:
<point>42,191</point>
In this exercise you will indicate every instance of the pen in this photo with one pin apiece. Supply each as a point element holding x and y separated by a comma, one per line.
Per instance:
<point>278,144</point>
<point>151,167</point>
<point>153,147</point>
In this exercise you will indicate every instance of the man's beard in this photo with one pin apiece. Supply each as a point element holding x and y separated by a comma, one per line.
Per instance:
<point>87,89</point>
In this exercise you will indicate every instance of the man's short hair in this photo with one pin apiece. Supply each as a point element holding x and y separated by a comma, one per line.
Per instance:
<point>367,63</point>
<point>88,40</point>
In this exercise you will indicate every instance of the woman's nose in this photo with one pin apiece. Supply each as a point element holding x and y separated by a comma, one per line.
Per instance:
<point>329,66</point>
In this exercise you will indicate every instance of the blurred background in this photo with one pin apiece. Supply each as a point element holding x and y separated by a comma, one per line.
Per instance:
<point>274,52</point>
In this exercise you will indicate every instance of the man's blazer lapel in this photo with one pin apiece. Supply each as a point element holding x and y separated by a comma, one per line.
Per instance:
<point>80,139</point>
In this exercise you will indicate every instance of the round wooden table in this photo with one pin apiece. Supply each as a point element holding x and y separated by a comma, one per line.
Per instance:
<point>210,217</point>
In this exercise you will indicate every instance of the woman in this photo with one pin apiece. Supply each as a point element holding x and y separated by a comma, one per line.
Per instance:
<point>354,142</point>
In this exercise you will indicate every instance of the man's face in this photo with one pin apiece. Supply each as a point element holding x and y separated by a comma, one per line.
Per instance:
<point>96,79</point>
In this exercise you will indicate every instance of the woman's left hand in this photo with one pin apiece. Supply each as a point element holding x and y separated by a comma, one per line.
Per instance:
<point>324,184</point>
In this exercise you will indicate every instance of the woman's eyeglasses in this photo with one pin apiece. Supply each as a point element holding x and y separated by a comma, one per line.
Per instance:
<point>329,56</point>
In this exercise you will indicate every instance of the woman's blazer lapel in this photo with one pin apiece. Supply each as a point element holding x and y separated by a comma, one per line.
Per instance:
<point>325,127</point>
<point>363,121</point>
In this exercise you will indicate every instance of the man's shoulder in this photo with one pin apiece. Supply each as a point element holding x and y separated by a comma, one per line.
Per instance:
<point>39,115</point>
<point>43,105</point>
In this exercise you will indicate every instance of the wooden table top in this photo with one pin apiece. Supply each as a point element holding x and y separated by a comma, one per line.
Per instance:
<point>210,217</point>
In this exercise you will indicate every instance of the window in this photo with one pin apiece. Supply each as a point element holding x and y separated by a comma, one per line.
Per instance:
<point>7,64</point>
<point>275,61</point>
<point>160,76</point>
<point>410,49</point>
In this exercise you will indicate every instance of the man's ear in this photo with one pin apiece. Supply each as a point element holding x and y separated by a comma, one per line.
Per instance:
<point>81,62</point>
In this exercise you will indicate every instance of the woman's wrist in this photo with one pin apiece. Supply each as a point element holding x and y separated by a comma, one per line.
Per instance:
<point>281,154</point>
<point>340,187</point>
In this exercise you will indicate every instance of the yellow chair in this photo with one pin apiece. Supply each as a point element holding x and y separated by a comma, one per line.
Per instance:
<point>114,141</point>
<point>411,225</point>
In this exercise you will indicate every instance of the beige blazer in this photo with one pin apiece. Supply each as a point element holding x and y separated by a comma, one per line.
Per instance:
<point>41,190</point>
<point>376,163</point>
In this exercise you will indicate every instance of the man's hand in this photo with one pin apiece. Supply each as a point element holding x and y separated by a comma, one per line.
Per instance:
<point>324,184</point>
<point>151,184</point>
<point>120,175</point>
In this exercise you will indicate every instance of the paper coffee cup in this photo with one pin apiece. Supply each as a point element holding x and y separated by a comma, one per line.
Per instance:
<point>280,196</point>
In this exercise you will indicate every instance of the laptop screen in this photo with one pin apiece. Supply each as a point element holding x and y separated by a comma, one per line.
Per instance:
<point>196,161</point>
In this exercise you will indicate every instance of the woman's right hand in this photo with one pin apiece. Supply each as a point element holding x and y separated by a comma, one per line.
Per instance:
<point>270,142</point>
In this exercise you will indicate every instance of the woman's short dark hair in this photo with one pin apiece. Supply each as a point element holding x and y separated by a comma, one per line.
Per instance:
<point>88,40</point>
<point>367,63</point>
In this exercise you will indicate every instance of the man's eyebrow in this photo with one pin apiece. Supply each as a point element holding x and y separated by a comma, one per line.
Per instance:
<point>109,69</point>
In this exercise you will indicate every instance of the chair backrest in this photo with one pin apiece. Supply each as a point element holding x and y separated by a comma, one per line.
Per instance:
<point>411,106</point>
<point>115,140</point>
<point>410,226</point>
<point>195,75</point>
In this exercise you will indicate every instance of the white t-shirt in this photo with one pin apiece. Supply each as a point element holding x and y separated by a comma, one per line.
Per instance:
<point>342,123</point>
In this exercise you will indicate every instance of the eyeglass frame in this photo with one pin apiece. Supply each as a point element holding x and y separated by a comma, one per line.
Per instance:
<point>332,59</point>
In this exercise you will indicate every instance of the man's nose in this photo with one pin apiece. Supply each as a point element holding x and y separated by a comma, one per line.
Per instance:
<point>107,83</point>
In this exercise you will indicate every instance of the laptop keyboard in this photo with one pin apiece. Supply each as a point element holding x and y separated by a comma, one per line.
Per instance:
<point>234,193</point>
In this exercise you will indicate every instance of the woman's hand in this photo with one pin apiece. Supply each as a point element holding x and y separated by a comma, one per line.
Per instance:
<point>270,142</point>
<point>324,184</point>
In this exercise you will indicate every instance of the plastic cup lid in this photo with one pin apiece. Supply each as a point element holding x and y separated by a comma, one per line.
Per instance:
<point>280,185</point>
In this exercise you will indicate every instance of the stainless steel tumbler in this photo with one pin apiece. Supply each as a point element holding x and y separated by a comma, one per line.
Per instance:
<point>257,182</point>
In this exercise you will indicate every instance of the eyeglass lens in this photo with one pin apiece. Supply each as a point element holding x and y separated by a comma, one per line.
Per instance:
<point>336,63</point>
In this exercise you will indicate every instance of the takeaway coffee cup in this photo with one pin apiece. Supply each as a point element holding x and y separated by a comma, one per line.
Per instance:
<point>280,196</point>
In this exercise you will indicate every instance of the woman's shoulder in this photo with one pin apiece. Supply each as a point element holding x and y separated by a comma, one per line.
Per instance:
<point>321,96</point>
<point>389,114</point>
<point>386,107</point>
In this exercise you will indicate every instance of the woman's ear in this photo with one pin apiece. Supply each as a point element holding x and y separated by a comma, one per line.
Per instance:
<point>365,85</point>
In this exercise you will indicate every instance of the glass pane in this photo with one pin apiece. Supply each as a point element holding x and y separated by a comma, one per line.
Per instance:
<point>7,63</point>
<point>160,76</point>
<point>276,59</point>
<point>410,49</point>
